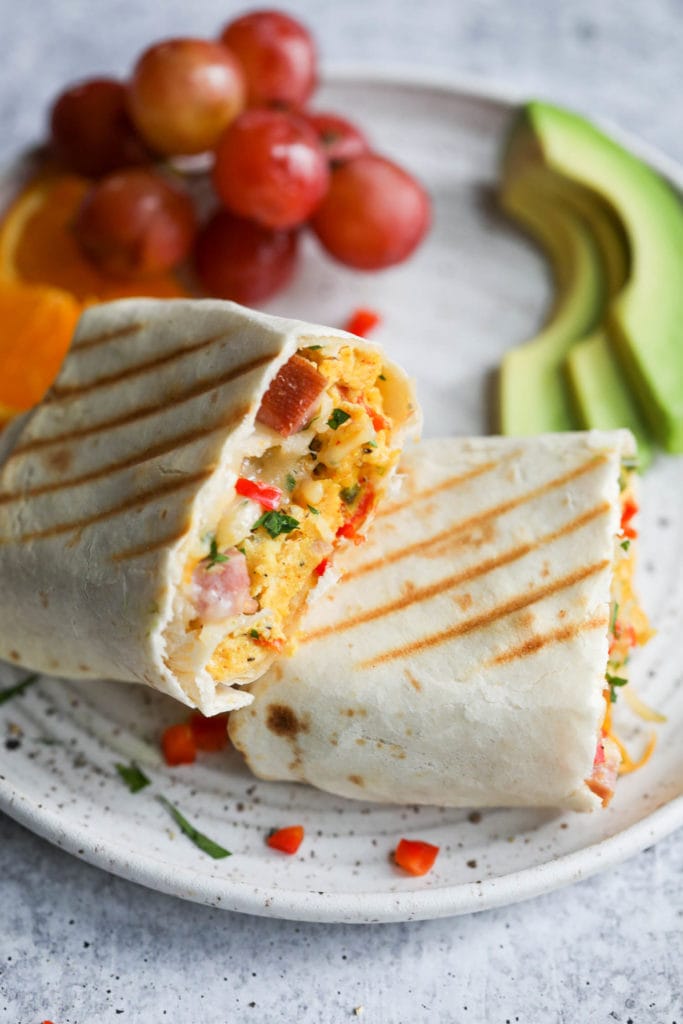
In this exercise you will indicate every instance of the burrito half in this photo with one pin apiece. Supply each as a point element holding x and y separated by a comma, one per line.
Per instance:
<point>167,508</point>
<point>472,647</point>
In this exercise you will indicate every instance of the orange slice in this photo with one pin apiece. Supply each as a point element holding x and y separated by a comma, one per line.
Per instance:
<point>37,246</point>
<point>36,325</point>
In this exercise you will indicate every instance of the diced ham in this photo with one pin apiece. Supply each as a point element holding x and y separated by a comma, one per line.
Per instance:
<point>290,401</point>
<point>605,770</point>
<point>221,590</point>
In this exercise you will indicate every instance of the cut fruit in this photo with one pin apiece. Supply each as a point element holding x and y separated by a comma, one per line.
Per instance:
<point>600,392</point>
<point>533,393</point>
<point>645,321</point>
<point>36,325</point>
<point>37,246</point>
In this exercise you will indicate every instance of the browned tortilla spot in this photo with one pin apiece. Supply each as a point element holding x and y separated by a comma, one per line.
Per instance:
<point>156,407</point>
<point>477,520</point>
<point>541,640</point>
<point>451,582</point>
<point>284,722</point>
<point>100,339</point>
<point>59,460</point>
<point>429,492</point>
<point>15,656</point>
<point>357,780</point>
<point>415,683</point>
<point>487,618</point>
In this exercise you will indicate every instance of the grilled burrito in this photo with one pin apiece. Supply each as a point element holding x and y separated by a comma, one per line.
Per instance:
<point>167,508</point>
<point>470,652</point>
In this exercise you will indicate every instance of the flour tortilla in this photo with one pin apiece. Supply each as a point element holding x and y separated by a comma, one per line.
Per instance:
<point>104,483</point>
<point>461,659</point>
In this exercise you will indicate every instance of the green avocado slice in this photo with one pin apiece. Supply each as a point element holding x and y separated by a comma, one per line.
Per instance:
<point>533,394</point>
<point>645,320</point>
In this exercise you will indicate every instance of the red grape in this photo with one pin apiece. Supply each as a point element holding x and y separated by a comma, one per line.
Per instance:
<point>135,224</point>
<point>340,139</point>
<point>278,57</point>
<point>240,260</point>
<point>91,131</point>
<point>373,215</point>
<point>271,167</point>
<point>184,93</point>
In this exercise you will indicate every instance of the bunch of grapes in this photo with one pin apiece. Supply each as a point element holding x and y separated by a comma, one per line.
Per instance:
<point>276,165</point>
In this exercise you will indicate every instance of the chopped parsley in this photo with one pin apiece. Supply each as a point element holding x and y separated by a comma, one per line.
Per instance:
<point>630,462</point>
<point>371,444</point>
<point>198,838</point>
<point>625,545</point>
<point>255,634</point>
<point>337,418</point>
<point>133,777</point>
<point>613,619</point>
<point>613,682</point>
<point>314,511</point>
<point>214,556</point>
<point>14,691</point>
<point>313,348</point>
<point>382,377</point>
<point>349,494</point>
<point>276,523</point>
<point>290,482</point>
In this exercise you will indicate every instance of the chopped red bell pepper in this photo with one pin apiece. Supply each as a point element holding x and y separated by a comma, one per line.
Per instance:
<point>292,396</point>
<point>267,496</point>
<point>629,510</point>
<point>351,528</point>
<point>321,567</point>
<point>178,744</point>
<point>288,840</point>
<point>415,856</point>
<point>362,322</point>
<point>210,734</point>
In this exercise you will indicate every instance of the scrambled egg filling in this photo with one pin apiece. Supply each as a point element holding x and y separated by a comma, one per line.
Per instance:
<point>328,487</point>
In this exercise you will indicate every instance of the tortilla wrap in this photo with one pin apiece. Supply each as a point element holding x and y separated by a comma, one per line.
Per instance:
<point>119,493</point>
<point>461,659</point>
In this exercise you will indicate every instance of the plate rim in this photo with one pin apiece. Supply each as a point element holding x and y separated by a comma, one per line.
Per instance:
<point>389,906</point>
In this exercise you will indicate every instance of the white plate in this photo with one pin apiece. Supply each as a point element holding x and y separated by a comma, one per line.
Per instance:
<point>474,289</point>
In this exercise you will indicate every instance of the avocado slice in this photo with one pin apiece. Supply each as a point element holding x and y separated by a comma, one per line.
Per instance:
<point>600,393</point>
<point>645,321</point>
<point>533,394</point>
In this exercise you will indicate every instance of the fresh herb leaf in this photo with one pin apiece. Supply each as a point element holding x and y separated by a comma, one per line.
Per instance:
<point>276,523</point>
<point>254,633</point>
<point>13,691</point>
<point>313,348</point>
<point>630,462</point>
<point>198,838</point>
<point>614,681</point>
<point>625,545</point>
<point>290,481</point>
<point>337,418</point>
<point>371,444</point>
<point>133,777</point>
<point>382,377</point>
<point>613,619</point>
<point>214,556</point>
<point>349,494</point>
<point>314,511</point>
<point>242,551</point>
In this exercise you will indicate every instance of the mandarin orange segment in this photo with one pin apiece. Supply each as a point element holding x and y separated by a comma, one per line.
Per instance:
<point>36,326</point>
<point>37,246</point>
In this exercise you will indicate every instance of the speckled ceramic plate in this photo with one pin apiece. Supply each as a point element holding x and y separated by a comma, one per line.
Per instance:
<point>474,289</point>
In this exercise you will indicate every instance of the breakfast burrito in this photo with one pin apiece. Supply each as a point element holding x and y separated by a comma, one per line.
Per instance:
<point>471,651</point>
<point>167,508</point>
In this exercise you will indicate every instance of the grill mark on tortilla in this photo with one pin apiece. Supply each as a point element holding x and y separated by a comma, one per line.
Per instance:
<point>536,642</point>
<point>155,363</point>
<point>445,485</point>
<point>515,604</point>
<point>163,448</point>
<point>139,499</point>
<point>417,594</point>
<point>201,387</point>
<point>421,546</point>
<point>105,336</point>
<point>149,546</point>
